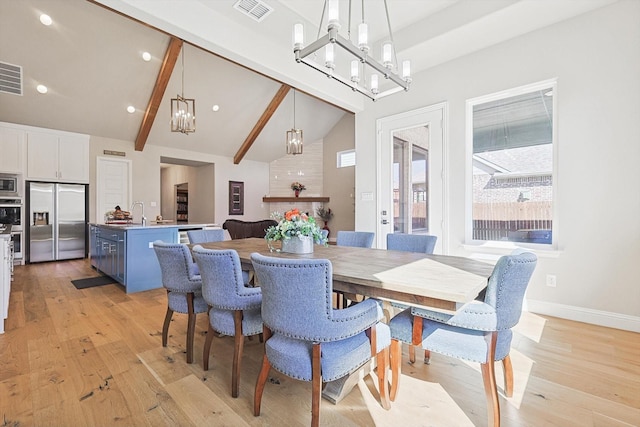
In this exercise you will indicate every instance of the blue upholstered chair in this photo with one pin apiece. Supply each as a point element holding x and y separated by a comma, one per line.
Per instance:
<point>234,308</point>
<point>305,338</point>
<point>480,331</point>
<point>360,239</point>
<point>422,243</point>
<point>181,279</point>
<point>203,236</point>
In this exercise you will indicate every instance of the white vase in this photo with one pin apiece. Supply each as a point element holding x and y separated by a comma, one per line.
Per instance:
<point>298,245</point>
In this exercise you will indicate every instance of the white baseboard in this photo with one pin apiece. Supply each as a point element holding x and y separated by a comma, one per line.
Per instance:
<point>586,315</point>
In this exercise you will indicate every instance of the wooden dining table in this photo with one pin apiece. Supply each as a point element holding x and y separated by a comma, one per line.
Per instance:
<point>440,282</point>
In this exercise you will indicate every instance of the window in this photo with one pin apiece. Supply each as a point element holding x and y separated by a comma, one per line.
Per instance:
<point>411,181</point>
<point>346,158</point>
<point>512,157</point>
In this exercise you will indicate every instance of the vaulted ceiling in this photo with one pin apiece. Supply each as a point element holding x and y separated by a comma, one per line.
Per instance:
<point>90,59</point>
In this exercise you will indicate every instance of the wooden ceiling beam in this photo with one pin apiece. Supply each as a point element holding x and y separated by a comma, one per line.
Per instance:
<point>169,62</point>
<point>262,122</point>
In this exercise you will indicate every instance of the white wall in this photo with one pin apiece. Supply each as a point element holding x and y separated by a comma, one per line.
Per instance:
<point>596,59</point>
<point>146,178</point>
<point>339,183</point>
<point>305,168</point>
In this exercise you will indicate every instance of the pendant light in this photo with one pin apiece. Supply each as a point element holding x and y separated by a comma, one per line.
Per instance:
<point>294,136</point>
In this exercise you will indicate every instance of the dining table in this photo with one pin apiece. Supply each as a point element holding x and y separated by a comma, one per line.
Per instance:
<point>439,282</point>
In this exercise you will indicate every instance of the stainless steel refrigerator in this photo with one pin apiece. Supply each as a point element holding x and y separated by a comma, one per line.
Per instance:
<point>57,218</point>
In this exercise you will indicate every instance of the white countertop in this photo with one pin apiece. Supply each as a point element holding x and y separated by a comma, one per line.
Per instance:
<point>153,224</point>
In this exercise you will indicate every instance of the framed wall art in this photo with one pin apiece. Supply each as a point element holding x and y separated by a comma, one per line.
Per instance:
<point>236,198</point>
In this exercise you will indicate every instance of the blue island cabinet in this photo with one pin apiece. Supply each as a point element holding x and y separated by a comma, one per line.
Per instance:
<point>141,264</point>
<point>126,253</point>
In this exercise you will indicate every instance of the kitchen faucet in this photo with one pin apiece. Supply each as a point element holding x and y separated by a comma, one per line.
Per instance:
<point>144,219</point>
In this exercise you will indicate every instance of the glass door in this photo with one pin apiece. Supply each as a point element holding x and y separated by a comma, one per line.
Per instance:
<point>411,171</point>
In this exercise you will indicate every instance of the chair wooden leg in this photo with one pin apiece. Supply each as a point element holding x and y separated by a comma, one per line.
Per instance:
<point>489,380</point>
<point>237,352</point>
<point>416,338</point>
<point>191,327</point>
<point>262,376</point>
<point>260,382</point>
<point>508,376</point>
<point>427,357</point>
<point>316,385</point>
<point>165,327</point>
<point>395,356</point>
<point>382,360</point>
<point>207,348</point>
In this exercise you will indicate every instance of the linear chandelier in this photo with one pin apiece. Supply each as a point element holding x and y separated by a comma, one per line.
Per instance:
<point>183,110</point>
<point>364,71</point>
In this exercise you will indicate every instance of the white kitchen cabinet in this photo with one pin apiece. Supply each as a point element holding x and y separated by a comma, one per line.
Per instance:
<point>12,149</point>
<point>60,157</point>
<point>5,277</point>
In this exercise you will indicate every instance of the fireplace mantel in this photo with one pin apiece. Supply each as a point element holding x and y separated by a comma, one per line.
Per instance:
<point>295,199</point>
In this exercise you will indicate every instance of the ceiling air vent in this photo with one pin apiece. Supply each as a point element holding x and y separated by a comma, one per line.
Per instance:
<point>10,78</point>
<point>256,9</point>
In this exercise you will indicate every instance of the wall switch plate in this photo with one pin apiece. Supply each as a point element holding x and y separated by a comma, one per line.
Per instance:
<point>150,245</point>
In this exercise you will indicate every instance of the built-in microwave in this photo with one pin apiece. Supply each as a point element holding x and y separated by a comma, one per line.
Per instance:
<point>9,185</point>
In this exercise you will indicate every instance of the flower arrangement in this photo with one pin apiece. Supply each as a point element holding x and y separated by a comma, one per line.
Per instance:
<point>297,186</point>
<point>292,224</point>
<point>324,214</point>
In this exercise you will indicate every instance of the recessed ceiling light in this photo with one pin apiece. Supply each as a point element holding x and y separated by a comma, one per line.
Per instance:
<point>42,89</point>
<point>216,107</point>
<point>46,19</point>
<point>131,109</point>
<point>146,56</point>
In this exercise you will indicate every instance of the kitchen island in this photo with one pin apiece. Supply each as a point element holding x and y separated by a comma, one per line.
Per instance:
<point>125,251</point>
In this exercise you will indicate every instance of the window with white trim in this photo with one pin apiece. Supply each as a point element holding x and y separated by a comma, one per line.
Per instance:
<point>511,147</point>
<point>346,158</point>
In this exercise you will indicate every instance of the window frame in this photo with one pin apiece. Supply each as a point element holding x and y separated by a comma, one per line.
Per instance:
<point>342,153</point>
<point>469,105</point>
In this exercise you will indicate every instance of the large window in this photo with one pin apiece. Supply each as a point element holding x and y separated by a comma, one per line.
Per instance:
<point>512,150</point>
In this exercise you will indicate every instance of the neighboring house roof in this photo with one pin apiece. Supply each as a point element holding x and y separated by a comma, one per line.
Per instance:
<point>537,159</point>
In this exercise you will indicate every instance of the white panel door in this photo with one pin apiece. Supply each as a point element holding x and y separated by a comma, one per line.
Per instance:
<point>113,178</point>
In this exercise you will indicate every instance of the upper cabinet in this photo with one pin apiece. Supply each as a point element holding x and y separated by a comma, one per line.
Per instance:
<point>57,156</point>
<point>11,150</point>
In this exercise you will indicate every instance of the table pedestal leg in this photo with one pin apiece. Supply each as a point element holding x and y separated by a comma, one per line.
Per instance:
<point>335,391</point>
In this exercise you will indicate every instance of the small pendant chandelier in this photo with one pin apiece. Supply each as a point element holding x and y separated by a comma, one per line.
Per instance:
<point>183,110</point>
<point>294,136</point>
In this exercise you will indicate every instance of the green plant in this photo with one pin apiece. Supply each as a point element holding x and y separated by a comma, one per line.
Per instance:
<point>294,223</point>
<point>324,214</point>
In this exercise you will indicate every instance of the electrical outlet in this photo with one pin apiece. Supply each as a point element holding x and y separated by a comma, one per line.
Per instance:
<point>551,280</point>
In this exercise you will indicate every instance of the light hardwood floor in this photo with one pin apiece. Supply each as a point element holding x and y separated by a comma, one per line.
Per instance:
<point>94,358</point>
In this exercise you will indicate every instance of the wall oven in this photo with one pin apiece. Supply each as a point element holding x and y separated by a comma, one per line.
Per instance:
<point>11,213</point>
